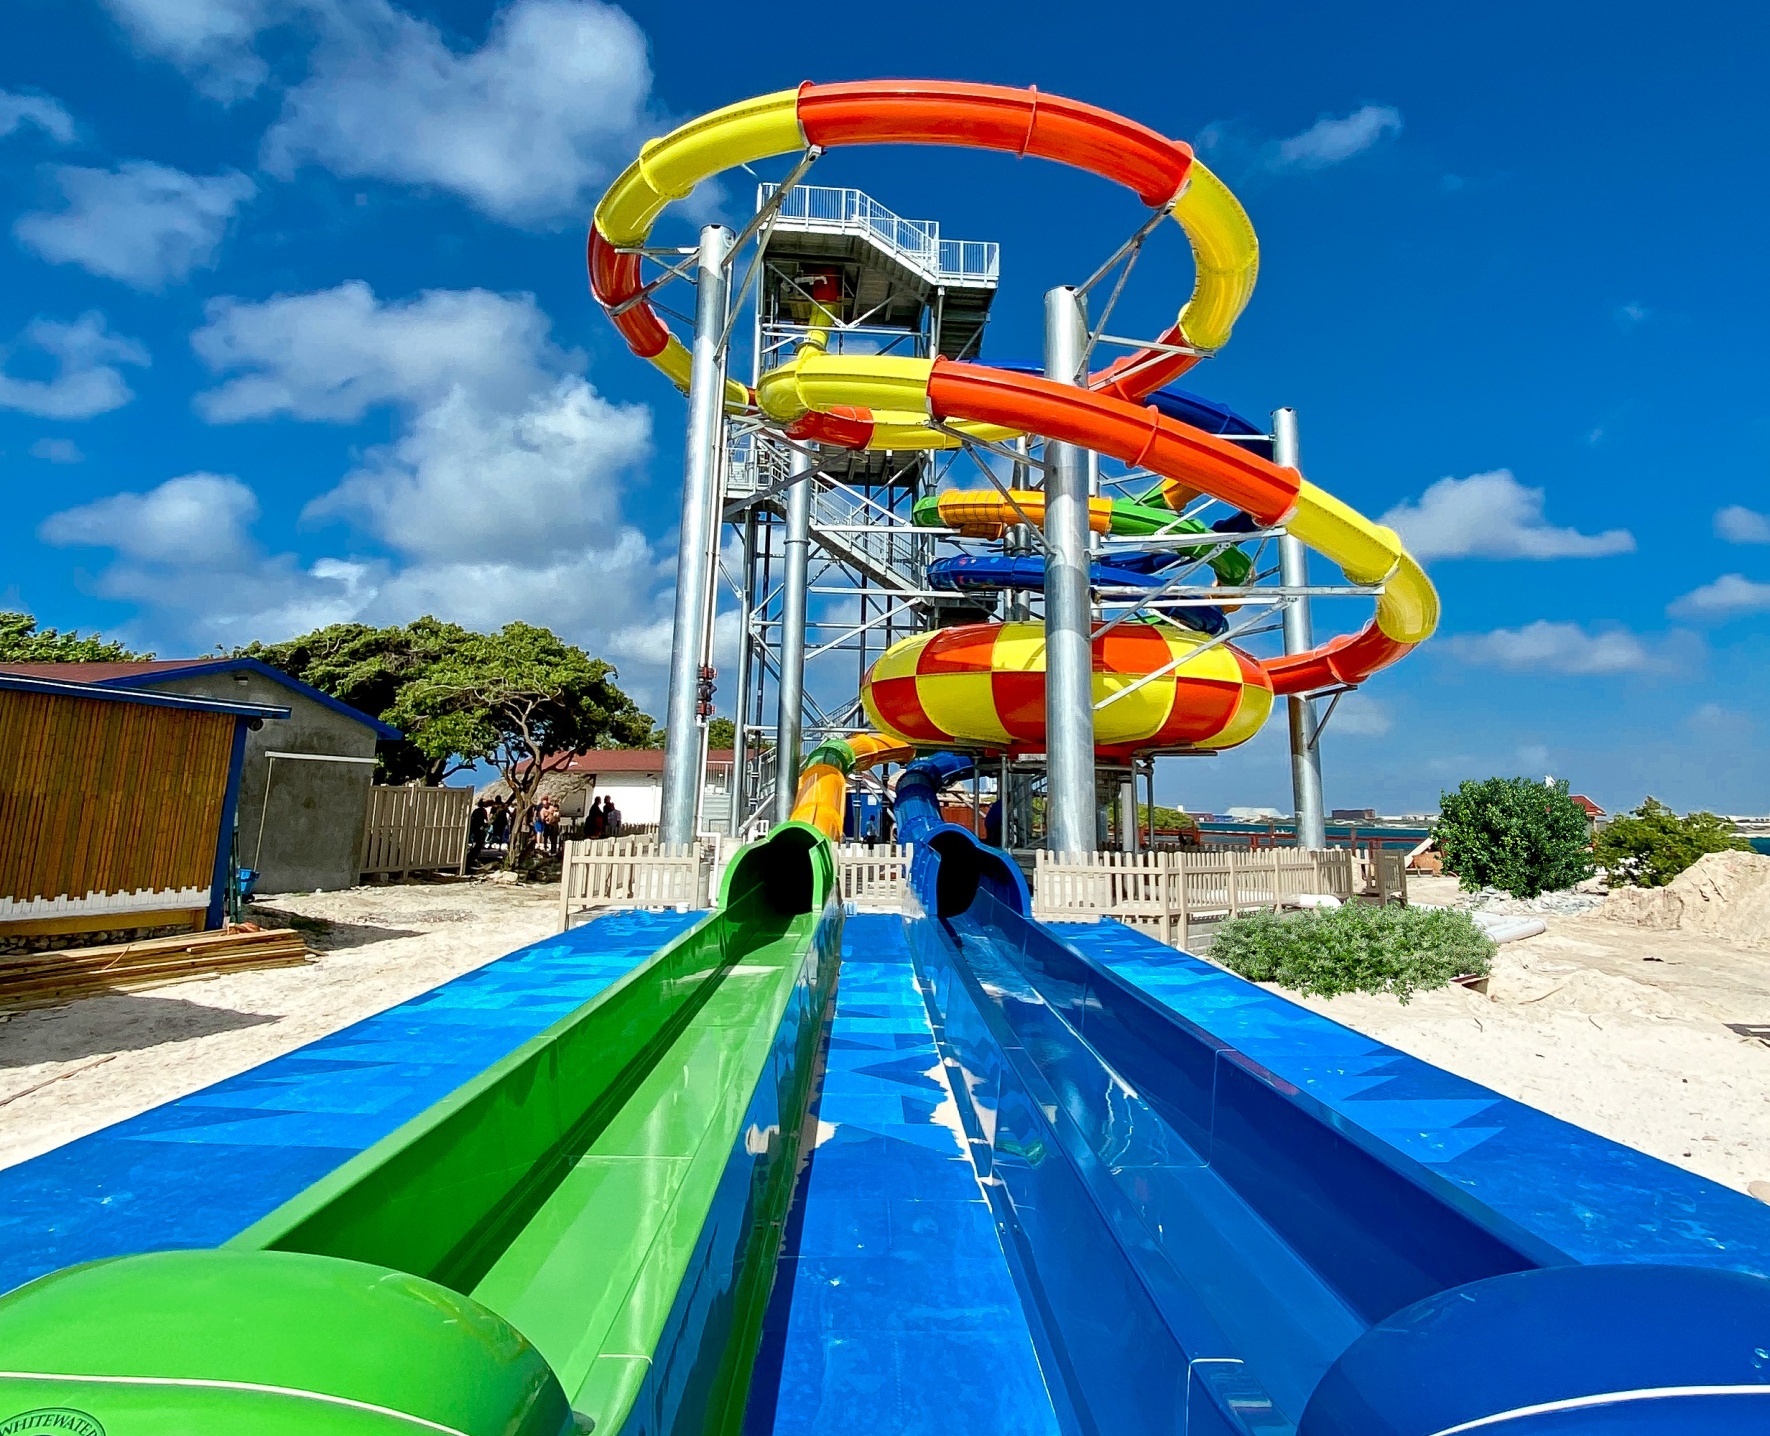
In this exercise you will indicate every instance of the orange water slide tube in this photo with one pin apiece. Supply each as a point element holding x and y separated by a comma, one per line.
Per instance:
<point>1162,172</point>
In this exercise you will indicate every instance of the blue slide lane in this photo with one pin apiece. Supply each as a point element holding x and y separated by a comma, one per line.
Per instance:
<point>1591,1199</point>
<point>894,1309</point>
<point>197,1170</point>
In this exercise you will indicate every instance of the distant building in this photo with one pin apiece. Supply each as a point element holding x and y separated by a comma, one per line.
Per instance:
<point>304,786</point>
<point>117,806</point>
<point>633,777</point>
<point>1593,811</point>
<point>1353,815</point>
<point>1253,815</point>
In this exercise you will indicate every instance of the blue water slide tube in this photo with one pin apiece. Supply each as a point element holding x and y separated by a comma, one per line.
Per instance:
<point>951,867</point>
<point>987,573</point>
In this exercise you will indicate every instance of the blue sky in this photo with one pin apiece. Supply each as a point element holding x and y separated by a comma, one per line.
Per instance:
<point>294,328</point>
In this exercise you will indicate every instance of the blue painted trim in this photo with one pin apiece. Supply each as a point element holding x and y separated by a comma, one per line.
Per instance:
<point>122,693</point>
<point>383,731</point>
<point>224,842</point>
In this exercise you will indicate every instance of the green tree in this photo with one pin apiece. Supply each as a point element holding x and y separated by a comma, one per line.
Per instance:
<point>511,698</point>
<point>722,733</point>
<point>21,641</point>
<point>368,668</point>
<point>1652,845</point>
<point>1516,834</point>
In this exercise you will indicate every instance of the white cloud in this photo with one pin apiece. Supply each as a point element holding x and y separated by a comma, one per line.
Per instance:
<point>1550,648</point>
<point>498,497</point>
<point>336,353</point>
<point>1728,596</point>
<point>523,127</point>
<point>1358,715</point>
<point>57,451</point>
<point>211,40</point>
<point>199,520</point>
<point>1738,524</point>
<point>1492,515</point>
<point>1631,315</point>
<point>1330,142</point>
<point>142,223</point>
<point>40,111</point>
<point>464,483</point>
<point>86,379</point>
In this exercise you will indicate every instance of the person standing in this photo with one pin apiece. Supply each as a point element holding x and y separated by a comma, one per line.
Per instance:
<point>594,820</point>
<point>477,823</point>
<point>611,820</point>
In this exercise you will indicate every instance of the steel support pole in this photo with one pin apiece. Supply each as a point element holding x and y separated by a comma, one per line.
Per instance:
<point>699,540</point>
<point>796,564</point>
<point>740,708</point>
<point>1071,803</point>
<point>1299,636</point>
<point>1128,824</point>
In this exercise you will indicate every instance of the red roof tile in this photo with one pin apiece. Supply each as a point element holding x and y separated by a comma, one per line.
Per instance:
<point>621,760</point>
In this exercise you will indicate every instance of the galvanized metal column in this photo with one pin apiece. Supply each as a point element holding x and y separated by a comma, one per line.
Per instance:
<point>1071,804</point>
<point>699,540</point>
<point>1128,825</point>
<point>1299,636</point>
<point>796,564</point>
<point>740,799</point>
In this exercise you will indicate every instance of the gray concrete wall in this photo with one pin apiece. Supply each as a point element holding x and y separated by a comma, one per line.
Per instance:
<point>310,835</point>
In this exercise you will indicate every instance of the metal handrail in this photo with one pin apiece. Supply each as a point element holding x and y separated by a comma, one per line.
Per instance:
<point>917,241</point>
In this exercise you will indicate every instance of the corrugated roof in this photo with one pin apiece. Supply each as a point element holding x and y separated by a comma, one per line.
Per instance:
<point>135,673</point>
<point>11,680</point>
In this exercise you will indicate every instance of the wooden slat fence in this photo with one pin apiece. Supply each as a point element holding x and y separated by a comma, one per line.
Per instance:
<point>631,872</point>
<point>874,879</point>
<point>408,830</point>
<point>1167,892</point>
<point>108,806</point>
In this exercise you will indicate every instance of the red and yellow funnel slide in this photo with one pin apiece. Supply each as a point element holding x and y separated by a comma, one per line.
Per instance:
<point>982,685</point>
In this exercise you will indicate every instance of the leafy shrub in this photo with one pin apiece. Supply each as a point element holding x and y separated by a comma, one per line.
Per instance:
<point>1515,834</point>
<point>1355,948</point>
<point>1652,845</point>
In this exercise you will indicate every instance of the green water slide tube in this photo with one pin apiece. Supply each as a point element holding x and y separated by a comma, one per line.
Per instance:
<point>580,1239</point>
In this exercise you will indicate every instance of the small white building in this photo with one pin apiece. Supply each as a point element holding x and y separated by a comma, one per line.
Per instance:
<point>634,779</point>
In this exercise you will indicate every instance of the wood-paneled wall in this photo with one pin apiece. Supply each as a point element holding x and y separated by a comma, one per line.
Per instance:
<point>108,797</point>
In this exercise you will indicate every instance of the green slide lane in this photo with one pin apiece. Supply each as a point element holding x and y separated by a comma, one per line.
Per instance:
<point>580,1238</point>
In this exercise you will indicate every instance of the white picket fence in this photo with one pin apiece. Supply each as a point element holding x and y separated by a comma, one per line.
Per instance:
<point>1382,873</point>
<point>1166,893</point>
<point>874,879</point>
<point>599,873</point>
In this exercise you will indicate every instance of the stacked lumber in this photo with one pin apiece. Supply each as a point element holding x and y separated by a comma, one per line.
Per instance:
<point>28,978</point>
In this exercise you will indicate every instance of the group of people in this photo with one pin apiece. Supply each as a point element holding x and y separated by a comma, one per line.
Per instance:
<point>603,820</point>
<point>488,827</point>
<point>544,819</point>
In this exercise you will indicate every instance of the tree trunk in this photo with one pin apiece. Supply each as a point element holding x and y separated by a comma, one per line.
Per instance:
<point>522,802</point>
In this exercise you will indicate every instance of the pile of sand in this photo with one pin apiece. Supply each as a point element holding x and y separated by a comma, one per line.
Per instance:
<point>1726,895</point>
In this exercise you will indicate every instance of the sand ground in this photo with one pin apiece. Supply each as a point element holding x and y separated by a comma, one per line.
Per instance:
<point>66,1071</point>
<point>1622,1030</point>
<point>1626,1031</point>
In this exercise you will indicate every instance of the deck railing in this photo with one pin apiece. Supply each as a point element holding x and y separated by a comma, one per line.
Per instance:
<point>916,241</point>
